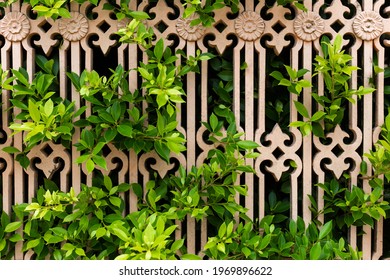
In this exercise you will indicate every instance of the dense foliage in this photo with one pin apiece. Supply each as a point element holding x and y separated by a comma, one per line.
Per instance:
<point>91,225</point>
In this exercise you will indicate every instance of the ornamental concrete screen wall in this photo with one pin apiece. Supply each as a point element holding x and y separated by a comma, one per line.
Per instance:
<point>254,37</point>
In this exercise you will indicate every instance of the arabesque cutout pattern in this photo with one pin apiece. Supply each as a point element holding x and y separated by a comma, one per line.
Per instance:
<point>250,36</point>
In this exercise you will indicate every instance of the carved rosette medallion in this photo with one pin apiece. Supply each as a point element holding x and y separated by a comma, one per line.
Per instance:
<point>74,28</point>
<point>15,26</point>
<point>249,26</point>
<point>308,26</point>
<point>368,25</point>
<point>188,32</point>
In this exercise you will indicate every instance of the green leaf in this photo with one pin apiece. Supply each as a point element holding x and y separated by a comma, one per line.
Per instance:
<point>19,104</point>
<point>110,134</point>
<point>159,49</point>
<point>247,144</point>
<point>318,130</point>
<point>20,77</point>
<point>265,241</point>
<point>149,234</point>
<point>139,15</point>
<point>160,123</point>
<point>363,167</point>
<point>338,42</point>
<point>4,219</point>
<point>226,75</point>
<point>33,243</point>
<point>34,111</point>
<point>301,109</point>
<point>297,124</point>
<point>293,227</point>
<point>48,108</point>
<point>88,137</point>
<point>137,189</point>
<point>375,195</point>
<point>177,245</point>
<point>189,10</point>
<point>71,217</point>
<point>221,247</point>
<point>99,146</point>
<point>120,233</point>
<point>306,129</point>
<point>315,251</point>
<point>57,255</point>
<point>302,72</point>
<point>145,73</point>
<point>318,116</point>
<point>122,257</point>
<point>291,72</point>
<point>325,230</point>
<point>80,252</point>
<point>13,226</point>
<point>213,122</point>
<point>222,230</point>
<point>75,79</point>
<point>54,239</point>
<point>90,165</point>
<point>116,110</point>
<point>162,99</point>
<point>11,150</point>
<point>3,243</point>
<point>285,82</point>
<point>116,201</point>
<point>277,75</point>
<point>68,246</point>
<point>162,150</point>
<point>190,257</point>
<point>125,130</point>
<point>100,232</point>
<point>15,238</point>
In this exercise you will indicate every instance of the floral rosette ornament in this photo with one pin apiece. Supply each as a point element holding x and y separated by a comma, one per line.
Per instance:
<point>188,32</point>
<point>308,26</point>
<point>15,26</point>
<point>368,25</point>
<point>74,28</point>
<point>249,26</point>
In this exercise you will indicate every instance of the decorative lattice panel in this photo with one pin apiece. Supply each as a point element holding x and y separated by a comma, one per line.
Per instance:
<point>255,36</point>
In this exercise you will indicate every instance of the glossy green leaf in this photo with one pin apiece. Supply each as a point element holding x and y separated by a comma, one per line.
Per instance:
<point>100,232</point>
<point>247,145</point>
<point>48,108</point>
<point>13,226</point>
<point>32,243</point>
<point>11,150</point>
<point>159,49</point>
<point>315,252</point>
<point>125,130</point>
<point>3,244</point>
<point>325,230</point>
<point>116,201</point>
<point>34,111</point>
<point>301,109</point>
<point>116,110</point>
<point>90,165</point>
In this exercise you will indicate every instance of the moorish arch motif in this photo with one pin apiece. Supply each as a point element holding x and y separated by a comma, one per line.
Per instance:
<point>246,37</point>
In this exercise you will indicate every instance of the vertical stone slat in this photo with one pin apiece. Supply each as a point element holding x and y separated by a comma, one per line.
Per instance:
<point>132,53</point>
<point>7,175</point>
<point>353,118</point>
<point>191,144</point>
<point>380,114</point>
<point>16,53</point>
<point>367,125</point>
<point>262,76</point>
